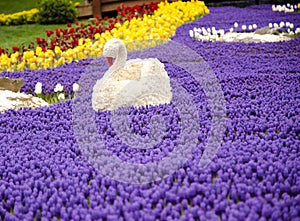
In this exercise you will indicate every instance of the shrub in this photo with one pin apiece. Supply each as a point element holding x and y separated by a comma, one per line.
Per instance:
<point>57,11</point>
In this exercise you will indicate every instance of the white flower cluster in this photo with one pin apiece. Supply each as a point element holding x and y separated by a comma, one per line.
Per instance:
<point>285,26</point>
<point>58,88</point>
<point>244,27</point>
<point>206,33</point>
<point>212,34</point>
<point>284,8</point>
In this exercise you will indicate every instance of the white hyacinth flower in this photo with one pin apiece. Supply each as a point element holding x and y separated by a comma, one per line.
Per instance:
<point>235,25</point>
<point>291,26</point>
<point>288,30</point>
<point>270,25</point>
<point>38,88</point>
<point>197,36</point>
<point>244,27</point>
<point>231,30</point>
<point>61,96</point>
<point>254,26</point>
<point>191,33</point>
<point>222,32</point>
<point>287,24</point>
<point>288,4</point>
<point>75,87</point>
<point>58,88</point>
<point>208,30</point>
<point>297,31</point>
<point>291,33</point>
<point>250,27</point>
<point>273,8</point>
<point>281,24</point>
<point>295,6</point>
<point>276,25</point>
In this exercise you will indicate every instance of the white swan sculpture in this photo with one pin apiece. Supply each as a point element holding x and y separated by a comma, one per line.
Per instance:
<point>134,82</point>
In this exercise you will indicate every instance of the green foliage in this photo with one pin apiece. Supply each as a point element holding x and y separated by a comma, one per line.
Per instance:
<point>57,12</point>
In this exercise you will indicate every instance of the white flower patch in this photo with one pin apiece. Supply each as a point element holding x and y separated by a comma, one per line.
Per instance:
<point>288,8</point>
<point>250,33</point>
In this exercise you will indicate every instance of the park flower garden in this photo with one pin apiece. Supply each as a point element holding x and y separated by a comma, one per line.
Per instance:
<point>161,25</point>
<point>254,175</point>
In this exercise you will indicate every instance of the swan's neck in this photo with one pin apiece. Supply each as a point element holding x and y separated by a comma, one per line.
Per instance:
<point>120,59</point>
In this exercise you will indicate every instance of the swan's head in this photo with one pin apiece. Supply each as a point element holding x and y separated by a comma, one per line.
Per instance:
<point>111,49</point>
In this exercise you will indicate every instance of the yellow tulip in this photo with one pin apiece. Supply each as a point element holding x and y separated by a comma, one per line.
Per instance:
<point>57,50</point>
<point>33,66</point>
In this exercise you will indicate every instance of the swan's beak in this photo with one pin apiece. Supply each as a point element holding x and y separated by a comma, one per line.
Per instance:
<point>109,61</point>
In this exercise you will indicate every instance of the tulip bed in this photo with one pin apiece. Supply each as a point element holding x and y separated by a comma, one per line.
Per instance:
<point>160,25</point>
<point>254,176</point>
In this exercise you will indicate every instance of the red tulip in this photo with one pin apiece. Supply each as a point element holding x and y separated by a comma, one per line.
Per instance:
<point>75,43</point>
<point>15,48</point>
<point>57,32</point>
<point>71,30</point>
<point>49,33</point>
<point>38,40</point>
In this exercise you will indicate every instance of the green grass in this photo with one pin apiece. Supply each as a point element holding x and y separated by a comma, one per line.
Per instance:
<point>23,34</point>
<point>12,6</point>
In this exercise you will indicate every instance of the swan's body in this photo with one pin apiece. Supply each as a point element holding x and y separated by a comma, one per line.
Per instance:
<point>134,82</point>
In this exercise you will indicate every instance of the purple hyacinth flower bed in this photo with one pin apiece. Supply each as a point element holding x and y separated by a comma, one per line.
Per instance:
<point>48,169</point>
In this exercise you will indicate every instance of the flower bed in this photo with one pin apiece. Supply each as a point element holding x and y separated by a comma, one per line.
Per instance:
<point>165,20</point>
<point>43,174</point>
<point>70,37</point>
<point>19,18</point>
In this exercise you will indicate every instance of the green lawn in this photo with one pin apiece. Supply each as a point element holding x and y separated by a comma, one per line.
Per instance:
<point>22,34</point>
<point>12,6</point>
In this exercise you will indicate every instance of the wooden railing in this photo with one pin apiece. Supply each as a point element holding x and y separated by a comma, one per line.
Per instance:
<point>100,6</point>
